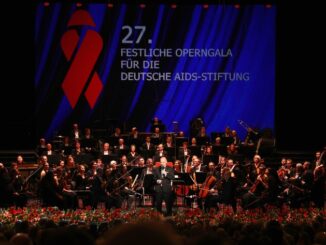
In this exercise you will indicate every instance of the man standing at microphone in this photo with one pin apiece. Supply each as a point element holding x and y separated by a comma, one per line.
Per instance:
<point>163,177</point>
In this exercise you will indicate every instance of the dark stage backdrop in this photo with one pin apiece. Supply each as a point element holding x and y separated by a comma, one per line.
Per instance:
<point>126,63</point>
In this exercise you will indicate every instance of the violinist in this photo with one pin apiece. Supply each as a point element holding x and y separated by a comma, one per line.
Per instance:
<point>111,186</point>
<point>224,191</point>
<point>251,172</point>
<point>129,191</point>
<point>119,174</point>
<point>65,186</point>
<point>125,180</point>
<point>254,197</point>
<point>296,187</point>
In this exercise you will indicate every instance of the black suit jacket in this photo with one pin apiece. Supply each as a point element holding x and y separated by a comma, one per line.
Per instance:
<point>166,184</point>
<point>228,191</point>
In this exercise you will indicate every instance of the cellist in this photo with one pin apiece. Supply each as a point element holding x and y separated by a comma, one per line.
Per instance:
<point>224,191</point>
<point>255,195</point>
<point>210,181</point>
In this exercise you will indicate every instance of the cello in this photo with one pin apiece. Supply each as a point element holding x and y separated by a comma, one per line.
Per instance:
<point>208,183</point>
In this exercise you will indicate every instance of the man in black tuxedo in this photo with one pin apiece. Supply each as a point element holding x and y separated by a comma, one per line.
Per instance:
<point>163,177</point>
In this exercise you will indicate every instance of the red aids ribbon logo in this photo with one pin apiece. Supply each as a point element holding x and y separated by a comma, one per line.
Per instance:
<point>82,55</point>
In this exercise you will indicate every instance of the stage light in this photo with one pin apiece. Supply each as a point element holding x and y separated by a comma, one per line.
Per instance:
<point>237,6</point>
<point>46,4</point>
<point>142,5</point>
<point>110,5</point>
<point>79,4</point>
<point>268,6</point>
<point>173,6</point>
<point>205,6</point>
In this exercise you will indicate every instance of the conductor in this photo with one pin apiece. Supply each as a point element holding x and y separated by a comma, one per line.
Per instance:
<point>163,177</point>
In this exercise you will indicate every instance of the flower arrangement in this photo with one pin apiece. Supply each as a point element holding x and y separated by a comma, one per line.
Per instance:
<point>183,218</point>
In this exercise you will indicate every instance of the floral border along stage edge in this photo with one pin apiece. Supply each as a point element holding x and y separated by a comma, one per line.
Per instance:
<point>183,218</point>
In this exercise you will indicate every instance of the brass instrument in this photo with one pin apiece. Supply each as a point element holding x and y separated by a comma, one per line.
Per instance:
<point>246,127</point>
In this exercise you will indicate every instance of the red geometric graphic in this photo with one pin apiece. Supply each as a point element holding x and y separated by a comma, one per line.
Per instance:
<point>93,90</point>
<point>82,60</point>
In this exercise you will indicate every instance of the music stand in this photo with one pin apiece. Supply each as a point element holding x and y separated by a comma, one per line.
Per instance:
<point>185,177</point>
<point>200,177</point>
<point>187,181</point>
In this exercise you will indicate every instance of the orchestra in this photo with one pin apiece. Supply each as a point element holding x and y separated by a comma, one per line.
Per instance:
<point>121,180</point>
